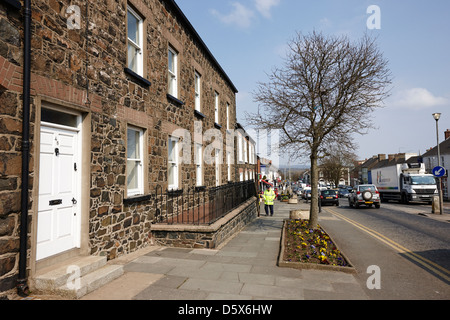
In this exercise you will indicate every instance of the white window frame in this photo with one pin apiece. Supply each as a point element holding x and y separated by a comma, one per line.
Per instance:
<point>199,164</point>
<point>216,107</point>
<point>140,174</point>
<point>198,91</point>
<point>240,151</point>
<point>229,165</point>
<point>138,46</point>
<point>174,161</point>
<point>245,150</point>
<point>228,116</point>
<point>218,167</point>
<point>172,74</point>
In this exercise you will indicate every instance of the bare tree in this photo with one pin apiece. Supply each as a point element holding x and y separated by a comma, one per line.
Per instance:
<point>335,164</point>
<point>324,93</point>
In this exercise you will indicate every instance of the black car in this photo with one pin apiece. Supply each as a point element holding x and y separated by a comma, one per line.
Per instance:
<point>329,197</point>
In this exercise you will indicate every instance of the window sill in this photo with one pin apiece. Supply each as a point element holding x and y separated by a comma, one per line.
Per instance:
<point>218,126</point>
<point>174,192</point>
<point>135,199</point>
<point>199,115</point>
<point>14,3</point>
<point>174,101</point>
<point>137,78</point>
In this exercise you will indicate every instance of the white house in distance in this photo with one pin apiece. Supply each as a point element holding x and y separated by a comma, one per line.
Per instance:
<point>269,170</point>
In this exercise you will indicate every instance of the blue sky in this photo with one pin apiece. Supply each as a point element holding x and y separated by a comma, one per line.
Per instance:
<point>249,38</point>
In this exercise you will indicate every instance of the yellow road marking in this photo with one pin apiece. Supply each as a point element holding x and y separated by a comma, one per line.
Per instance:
<point>439,270</point>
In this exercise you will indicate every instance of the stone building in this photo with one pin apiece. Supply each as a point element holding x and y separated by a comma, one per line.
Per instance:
<point>124,97</point>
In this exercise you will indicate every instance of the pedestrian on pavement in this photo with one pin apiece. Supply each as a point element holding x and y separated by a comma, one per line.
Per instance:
<point>269,197</point>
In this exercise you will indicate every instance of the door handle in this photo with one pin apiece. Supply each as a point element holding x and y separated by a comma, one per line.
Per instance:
<point>74,201</point>
<point>57,151</point>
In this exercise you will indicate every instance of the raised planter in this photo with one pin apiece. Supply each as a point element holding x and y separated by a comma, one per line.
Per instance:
<point>301,265</point>
<point>205,236</point>
<point>299,215</point>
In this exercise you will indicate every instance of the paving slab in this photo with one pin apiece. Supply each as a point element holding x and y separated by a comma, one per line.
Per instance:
<point>212,286</point>
<point>256,278</point>
<point>227,297</point>
<point>147,268</point>
<point>235,267</point>
<point>272,292</point>
<point>164,293</point>
<point>170,281</point>
<point>193,272</point>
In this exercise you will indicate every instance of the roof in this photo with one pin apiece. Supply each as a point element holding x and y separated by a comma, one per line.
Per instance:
<point>369,163</point>
<point>444,146</point>
<point>239,126</point>
<point>397,160</point>
<point>184,20</point>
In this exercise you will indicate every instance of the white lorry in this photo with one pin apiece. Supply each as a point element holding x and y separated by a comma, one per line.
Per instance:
<point>405,182</point>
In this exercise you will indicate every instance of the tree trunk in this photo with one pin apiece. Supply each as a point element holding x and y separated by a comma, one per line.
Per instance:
<point>314,211</point>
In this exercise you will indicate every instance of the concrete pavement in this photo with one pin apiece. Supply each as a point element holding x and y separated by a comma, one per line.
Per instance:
<point>242,269</point>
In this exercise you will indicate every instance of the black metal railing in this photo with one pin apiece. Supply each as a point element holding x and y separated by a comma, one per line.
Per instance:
<point>200,206</point>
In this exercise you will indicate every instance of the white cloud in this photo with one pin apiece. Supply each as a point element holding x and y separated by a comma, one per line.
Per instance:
<point>325,23</point>
<point>265,6</point>
<point>417,98</point>
<point>240,16</point>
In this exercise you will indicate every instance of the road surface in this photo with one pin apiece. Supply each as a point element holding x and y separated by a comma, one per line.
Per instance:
<point>410,250</point>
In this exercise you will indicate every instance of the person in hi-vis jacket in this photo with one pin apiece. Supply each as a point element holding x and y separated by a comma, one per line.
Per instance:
<point>269,197</point>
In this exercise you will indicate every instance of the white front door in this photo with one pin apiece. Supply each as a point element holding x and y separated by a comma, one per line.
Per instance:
<point>58,224</point>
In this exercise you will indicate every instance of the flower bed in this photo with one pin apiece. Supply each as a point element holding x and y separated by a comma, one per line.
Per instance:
<point>302,247</point>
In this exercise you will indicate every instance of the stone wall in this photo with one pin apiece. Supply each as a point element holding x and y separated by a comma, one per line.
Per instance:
<point>206,237</point>
<point>10,144</point>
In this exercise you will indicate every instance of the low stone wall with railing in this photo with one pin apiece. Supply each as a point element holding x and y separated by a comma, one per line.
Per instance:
<point>205,236</point>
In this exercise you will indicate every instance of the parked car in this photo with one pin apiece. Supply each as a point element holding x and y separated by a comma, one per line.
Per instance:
<point>364,194</point>
<point>329,197</point>
<point>343,193</point>
<point>307,195</point>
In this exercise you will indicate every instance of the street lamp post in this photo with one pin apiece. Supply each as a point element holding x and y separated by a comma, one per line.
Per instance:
<point>436,117</point>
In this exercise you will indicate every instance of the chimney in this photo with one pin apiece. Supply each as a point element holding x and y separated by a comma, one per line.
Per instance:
<point>447,134</point>
<point>391,157</point>
<point>399,156</point>
<point>381,157</point>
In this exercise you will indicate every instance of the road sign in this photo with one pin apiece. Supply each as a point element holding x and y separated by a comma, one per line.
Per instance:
<point>439,172</point>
